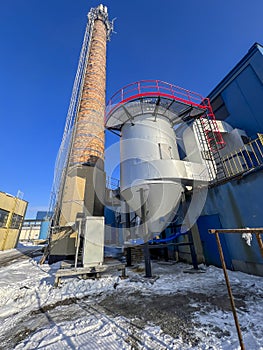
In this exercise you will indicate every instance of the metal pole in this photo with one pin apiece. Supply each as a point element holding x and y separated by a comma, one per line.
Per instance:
<point>260,243</point>
<point>147,259</point>
<point>128,257</point>
<point>190,236</point>
<point>229,291</point>
<point>77,245</point>
<point>192,250</point>
<point>127,228</point>
<point>238,230</point>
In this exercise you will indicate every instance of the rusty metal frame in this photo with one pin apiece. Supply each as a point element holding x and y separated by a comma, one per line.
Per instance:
<point>257,232</point>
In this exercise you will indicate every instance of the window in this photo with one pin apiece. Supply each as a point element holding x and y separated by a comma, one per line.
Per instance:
<point>16,221</point>
<point>3,217</point>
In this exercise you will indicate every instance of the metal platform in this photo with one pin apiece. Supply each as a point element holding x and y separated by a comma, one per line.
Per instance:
<point>153,97</point>
<point>89,272</point>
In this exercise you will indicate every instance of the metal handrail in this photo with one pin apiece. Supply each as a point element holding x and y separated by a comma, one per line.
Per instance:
<point>247,158</point>
<point>153,88</point>
<point>158,88</point>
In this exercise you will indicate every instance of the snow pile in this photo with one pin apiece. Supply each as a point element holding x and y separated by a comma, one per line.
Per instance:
<point>110,313</point>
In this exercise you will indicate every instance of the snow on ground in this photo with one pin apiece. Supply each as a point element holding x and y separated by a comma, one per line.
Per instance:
<point>177,311</point>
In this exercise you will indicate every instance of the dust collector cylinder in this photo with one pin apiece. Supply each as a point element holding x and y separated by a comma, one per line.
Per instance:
<point>148,150</point>
<point>88,141</point>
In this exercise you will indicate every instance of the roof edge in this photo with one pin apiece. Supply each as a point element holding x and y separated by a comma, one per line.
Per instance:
<point>252,50</point>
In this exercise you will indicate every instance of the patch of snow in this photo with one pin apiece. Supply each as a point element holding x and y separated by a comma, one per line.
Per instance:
<point>26,288</point>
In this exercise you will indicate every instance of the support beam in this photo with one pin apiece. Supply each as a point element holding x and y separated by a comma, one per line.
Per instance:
<point>147,259</point>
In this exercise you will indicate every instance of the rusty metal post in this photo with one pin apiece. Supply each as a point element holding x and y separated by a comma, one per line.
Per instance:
<point>252,230</point>
<point>260,243</point>
<point>229,289</point>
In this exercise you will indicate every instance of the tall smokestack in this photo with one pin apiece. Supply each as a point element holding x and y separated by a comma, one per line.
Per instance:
<point>88,141</point>
<point>84,181</point>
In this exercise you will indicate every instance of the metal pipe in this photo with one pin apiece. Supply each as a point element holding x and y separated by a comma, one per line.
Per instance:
<point>237,230</point>
<point>127,228</point>
<point>229,290</point>
<point>147,259</point>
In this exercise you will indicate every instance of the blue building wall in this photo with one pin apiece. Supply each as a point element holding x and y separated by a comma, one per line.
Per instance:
<point>238,204</point>
<point>242,92</point>
<point>238,99</point>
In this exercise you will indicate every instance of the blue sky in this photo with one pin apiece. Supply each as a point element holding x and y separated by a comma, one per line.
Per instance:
<point>191,43</point>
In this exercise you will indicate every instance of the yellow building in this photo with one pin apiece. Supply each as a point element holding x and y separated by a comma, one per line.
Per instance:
<point>12,212</point>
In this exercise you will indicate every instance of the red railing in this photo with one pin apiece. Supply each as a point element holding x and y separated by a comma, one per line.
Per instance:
<point>153,88</point>
<point>145,88</point>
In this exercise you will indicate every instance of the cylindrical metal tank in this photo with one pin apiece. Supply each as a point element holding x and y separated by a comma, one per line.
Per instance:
<point>148,146</point>
<point>144,114</point>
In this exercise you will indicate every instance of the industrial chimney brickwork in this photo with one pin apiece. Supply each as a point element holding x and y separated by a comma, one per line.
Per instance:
<point>84,186</point>
<point>88,143</point>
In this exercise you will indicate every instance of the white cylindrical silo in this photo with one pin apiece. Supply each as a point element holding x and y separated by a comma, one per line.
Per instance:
<point>144,114</point>
<point>148,150</point>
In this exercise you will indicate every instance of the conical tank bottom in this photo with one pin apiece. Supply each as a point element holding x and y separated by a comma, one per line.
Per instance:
<point>161,200</point>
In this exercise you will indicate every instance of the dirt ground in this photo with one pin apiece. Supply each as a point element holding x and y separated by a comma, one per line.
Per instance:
<point>175,312</point>
<point>172,313</point>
